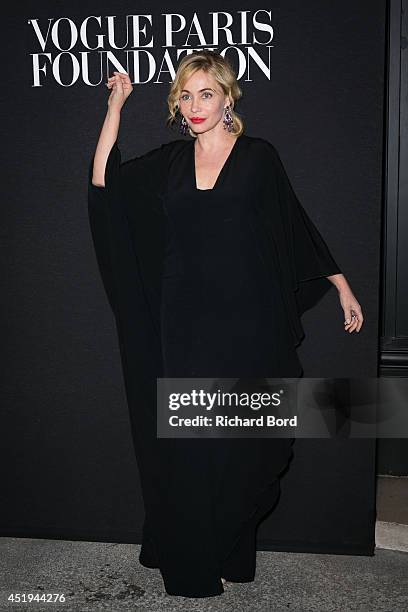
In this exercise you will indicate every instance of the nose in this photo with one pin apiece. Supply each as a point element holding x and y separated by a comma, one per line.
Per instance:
<point>195,107</point>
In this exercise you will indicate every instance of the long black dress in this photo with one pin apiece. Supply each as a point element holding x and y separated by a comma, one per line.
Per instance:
<point>205,283</point>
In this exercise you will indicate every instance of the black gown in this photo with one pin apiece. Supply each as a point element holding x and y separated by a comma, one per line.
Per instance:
<point>205,283</point>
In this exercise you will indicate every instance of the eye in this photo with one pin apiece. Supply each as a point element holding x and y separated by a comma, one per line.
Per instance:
<point>184,97</point>
<point>207,93</point>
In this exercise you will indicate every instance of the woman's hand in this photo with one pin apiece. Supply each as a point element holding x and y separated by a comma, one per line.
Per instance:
<point>121,89</point>
<point>353,316</point>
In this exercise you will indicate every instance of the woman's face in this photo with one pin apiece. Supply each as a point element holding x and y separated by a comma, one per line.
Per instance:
<point>202,98</point>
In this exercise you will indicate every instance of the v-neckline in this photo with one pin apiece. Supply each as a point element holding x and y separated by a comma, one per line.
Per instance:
<point>221,172</point>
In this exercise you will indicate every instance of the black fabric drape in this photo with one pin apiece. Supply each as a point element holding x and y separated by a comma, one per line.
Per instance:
<point>292,247</point>
<point>127,215</point>
<point>128,225</point>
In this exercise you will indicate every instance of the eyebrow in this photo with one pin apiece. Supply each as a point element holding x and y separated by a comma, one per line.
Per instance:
<point>204,89</point>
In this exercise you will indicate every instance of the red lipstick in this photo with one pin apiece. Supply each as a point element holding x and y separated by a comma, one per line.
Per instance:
<point>197,119</point>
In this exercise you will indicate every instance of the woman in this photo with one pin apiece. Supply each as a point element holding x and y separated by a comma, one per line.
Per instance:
<point>208,260</point>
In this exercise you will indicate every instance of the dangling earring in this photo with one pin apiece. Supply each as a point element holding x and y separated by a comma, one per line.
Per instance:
<point>228,120</point>
<point>183,127</point>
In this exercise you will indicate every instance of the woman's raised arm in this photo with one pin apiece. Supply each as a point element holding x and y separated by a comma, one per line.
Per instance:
<point>121,89</point>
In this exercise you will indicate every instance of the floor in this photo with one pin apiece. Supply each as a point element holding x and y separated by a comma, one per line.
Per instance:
<point>99,576</point>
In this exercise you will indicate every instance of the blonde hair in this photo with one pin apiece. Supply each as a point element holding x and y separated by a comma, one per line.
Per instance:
<point>220,69</point>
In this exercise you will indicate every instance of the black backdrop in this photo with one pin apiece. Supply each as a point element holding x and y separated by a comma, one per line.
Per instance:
<point>69,468</point>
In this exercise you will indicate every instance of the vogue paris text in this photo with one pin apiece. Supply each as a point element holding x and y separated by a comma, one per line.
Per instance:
<point>148,47</point>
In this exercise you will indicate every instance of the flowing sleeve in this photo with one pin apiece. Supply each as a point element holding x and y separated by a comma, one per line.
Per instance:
<point>309,256</point>
<point>125,222</point>
<point>295,249</point>
<point>101,228</point>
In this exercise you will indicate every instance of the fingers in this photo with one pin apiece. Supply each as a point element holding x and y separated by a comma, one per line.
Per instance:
<point>360,320</point>
<point>358,317</point>
<point>354,319</point>
<point>353,324</point>
<point>121,75</point>
<point>119,78</point>
<point>115,83</point>
<point>348,318</point>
